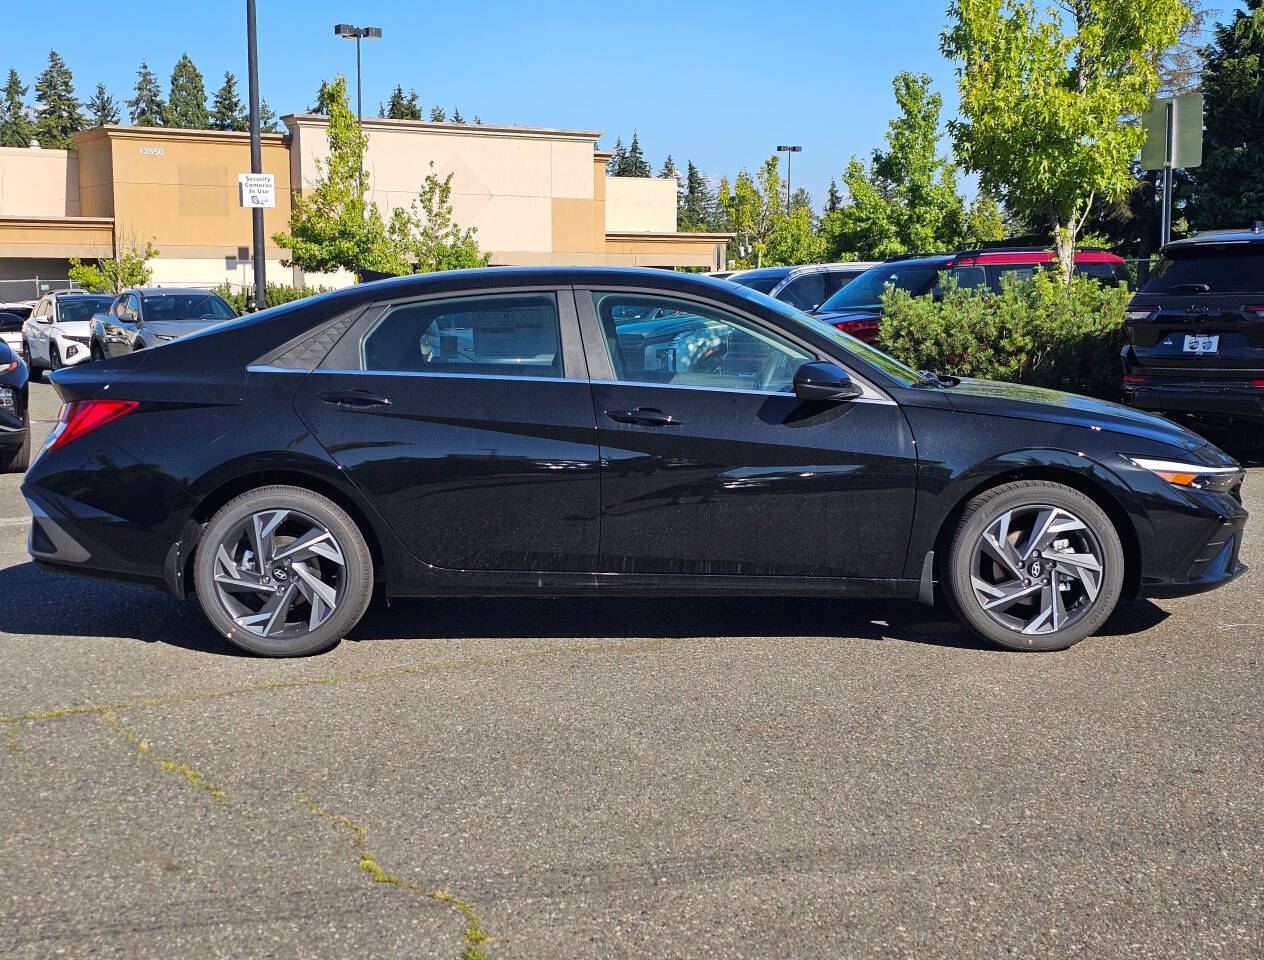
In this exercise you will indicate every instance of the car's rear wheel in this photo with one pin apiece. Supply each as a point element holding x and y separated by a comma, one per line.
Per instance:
<point>1035,565</point>
<point>283,572</point>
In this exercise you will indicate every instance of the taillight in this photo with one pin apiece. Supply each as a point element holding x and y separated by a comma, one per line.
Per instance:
<point>860,329</point>
<point>1258,311</point>
<point>1131,378</point>
<point>1258,383</point>
<point>1140,314</point>
<point>84,416</point>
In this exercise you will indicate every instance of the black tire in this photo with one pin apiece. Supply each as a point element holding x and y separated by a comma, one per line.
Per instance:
<point>95,353</point>
<point>354,571</point>
<point>26,355</point>
<point>54,357</point>
<point>988,509</point>
<point>20,459</point>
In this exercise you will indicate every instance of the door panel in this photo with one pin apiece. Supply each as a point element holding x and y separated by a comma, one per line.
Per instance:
<point>474,471</point>
<point>711,466</point>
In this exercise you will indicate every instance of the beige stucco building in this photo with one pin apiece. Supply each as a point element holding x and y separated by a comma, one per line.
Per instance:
<point>536,196</point>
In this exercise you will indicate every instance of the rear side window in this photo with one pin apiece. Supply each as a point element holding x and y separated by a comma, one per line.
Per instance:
<point>804,293</point>
<point>1107,273</point>
<point>503,335</point>
<point>1209,270</point>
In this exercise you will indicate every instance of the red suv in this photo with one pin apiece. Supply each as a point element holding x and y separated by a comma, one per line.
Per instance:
<point>857,308</point>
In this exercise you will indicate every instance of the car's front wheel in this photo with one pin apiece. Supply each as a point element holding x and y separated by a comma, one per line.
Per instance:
<point>1035,565</point>
<point>26,354</point>
<point>54,356</point>
<point>95,352</point>
<point>283,572</point>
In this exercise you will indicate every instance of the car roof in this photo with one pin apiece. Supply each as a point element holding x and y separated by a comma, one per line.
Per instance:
<point>162,291</point>
<point>1254,234</point>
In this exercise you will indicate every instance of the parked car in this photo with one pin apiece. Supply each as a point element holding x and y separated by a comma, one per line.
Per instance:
<point>56,332</point>
<point>598,431</point>
<point>11,331</point>
<point>857,308</point>
<point>1195,331</point>
<point>15,424</point>
<point>805,287</point>
<point>151,316</point>
<point>21,308</point>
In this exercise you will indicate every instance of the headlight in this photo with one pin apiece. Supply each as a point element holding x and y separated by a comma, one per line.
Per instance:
<point>1192,475</point>
<point>6,398</point>
<point>163,337</point>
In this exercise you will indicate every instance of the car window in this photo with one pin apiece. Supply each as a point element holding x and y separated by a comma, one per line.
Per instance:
<point>187,306</point>
<point>654,339</point>
<point>1209,269</point>
<point>1015,272</point>
<point>500,335</point>
<point>10,322</point>
<point>80,308</point>
<point>806,292</point>
<point>763,282</point>
<point>835,280</point>
<point>1105,272</point>
<point>865,292</point>
<point>131,308</point>
<point>969,278</point>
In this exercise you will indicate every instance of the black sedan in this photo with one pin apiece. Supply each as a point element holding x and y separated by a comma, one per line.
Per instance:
<point>15,424</point>
<point>150,317</point>
<point>587,431</point>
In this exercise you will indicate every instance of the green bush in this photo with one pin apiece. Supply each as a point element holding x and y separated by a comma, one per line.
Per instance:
<point>1036,332</point>
<point>239,297</point>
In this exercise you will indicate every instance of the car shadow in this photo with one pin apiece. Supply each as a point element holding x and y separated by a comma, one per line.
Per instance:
<point>47,603</point>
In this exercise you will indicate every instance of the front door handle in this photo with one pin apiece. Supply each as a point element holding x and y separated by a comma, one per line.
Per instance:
<point>643,416</point>
<point>361,399</point>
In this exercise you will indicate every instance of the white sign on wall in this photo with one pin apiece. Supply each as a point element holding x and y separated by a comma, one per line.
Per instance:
<point>257,189</point>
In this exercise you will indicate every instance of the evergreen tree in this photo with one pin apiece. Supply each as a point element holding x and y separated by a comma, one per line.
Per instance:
<point>186,102</point>
<point>669,169</point>
<point>832,199</point>
<point>618,161</point>
<point>1231,180</point>
<point>437,115</point>
<point>16,128</point>
<point>456,115</point>
<point>228,112</point>
<point>636,165</point>
<point>57,112</point>
<point>102,108</point>
<point>399,107</point>
<point>478,121</point>
<point>323,100</point>
<point>147,107</point>
<point>698,208</point>
<point>267,118</point>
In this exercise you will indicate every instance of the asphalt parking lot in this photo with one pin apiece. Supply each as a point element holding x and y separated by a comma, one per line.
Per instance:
<point>686,778</point>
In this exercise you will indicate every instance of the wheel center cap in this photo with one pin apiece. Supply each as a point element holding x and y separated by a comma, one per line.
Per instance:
<point>280,573</point>
<point>1036,568</point>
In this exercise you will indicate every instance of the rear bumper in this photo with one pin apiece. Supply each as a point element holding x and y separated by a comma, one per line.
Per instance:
<point>1228,400</point>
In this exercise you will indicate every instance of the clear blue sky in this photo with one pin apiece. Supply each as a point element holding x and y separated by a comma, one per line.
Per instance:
<point>721,84</point>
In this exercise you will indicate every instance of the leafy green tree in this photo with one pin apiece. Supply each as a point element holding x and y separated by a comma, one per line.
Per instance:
<point>146,106</point>
<point>635,164</point>
<point>400,107</point>
<point>1044,93</point>
<point>456,115</point>
<point>752,208</point>
<point>16,128</point>
<point>103,109</point>
<point>333,225</point>
<point>57,111</point>
<point>427,235</point>
<point>698,207</point>
<point>437,114</point>
<point>128,266</point>
<point>793,239</point>
<point>907,198</point>
<point>186,101</point>
<point>227,110</point>
<point>1231,180</point>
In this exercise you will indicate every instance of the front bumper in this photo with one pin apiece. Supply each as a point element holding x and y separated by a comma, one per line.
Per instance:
<point>1211,564</point>
<point>73,351</point>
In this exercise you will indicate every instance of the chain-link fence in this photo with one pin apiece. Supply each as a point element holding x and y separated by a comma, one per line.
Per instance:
<point>20,291</point>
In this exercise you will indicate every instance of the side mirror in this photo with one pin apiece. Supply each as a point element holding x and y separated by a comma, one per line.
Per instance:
<point>824,381</point>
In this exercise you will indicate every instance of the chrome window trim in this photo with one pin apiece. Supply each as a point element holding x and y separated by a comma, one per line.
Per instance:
<point>443,376</point>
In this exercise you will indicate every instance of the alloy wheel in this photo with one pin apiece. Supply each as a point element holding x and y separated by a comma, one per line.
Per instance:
<point>279,574</point>
<point>1037,569</point>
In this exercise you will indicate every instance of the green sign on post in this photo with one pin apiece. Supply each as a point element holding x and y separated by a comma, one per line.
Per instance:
<point>1174,138</point>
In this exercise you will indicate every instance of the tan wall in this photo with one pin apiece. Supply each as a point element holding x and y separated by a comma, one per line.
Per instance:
<point>178,189</point>
<point>38,183</point>
<point>640,205</point>
<point>707,250</point>
<point>33,237</point>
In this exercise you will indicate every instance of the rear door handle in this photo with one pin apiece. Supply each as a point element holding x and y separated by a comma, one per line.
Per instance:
<point>353,398</point>
<point>643,416</point>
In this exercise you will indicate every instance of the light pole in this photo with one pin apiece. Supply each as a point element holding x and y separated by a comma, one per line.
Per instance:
<point>357,33</point>
<point>256,158</point>
<point>787,150</point>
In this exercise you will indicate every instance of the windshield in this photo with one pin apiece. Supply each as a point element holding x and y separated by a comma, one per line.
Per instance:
<point>187,306</point>
<point>865,292</point>
<point>81,308</point>
<point>1206,269</point>
<point>857,348</point>
<point>10,322</point>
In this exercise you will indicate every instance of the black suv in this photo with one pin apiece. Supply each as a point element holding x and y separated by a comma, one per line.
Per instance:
<point>1195,330</point>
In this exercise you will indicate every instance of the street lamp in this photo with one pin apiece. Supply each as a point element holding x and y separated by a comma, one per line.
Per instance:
<point>357,33</point>
<point>787,150</point>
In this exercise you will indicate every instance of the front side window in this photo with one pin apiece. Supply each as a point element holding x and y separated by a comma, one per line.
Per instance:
<point>806,292</point>
<point>132,310</point>
<point>654,340</point>
<point>499,335</point>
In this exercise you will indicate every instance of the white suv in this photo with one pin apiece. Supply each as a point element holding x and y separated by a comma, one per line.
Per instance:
<point>59,329</point>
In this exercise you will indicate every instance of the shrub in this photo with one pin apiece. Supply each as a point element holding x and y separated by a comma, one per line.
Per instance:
<point>1036,332</point>
<point>239,298</point>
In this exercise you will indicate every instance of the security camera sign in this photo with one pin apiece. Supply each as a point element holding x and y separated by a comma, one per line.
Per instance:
<point>257,189</point>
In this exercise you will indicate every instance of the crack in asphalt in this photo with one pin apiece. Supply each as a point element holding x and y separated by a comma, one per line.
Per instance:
<point>194,777</point>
